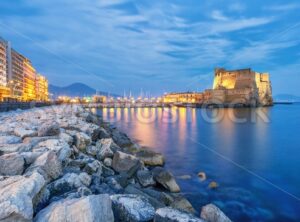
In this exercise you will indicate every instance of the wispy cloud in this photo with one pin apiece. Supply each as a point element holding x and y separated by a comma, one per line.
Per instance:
<point>237,7</point>
<point>154,43</point>
<point>283,7</point>
<point>218,15</point>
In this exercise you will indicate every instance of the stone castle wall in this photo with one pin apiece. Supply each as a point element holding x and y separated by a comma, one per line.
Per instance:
<point>241,86</point>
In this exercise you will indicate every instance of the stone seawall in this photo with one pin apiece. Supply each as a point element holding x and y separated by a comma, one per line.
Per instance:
<point>9,106</point>
<point>62,163</point>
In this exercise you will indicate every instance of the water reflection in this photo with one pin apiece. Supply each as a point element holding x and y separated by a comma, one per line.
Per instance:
<point>263,140</point>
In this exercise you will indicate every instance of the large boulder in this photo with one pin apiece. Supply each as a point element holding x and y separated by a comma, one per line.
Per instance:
<point>33,141</point>
<point>134,189</point>
<point>166,179</point>
<point>17,196</point>
<point>94,208</point>
<point>60,147</point>
<point>49,129</point>
<point>91,118</point>
<point>120,138</point>
<point>69,182</point>
<point>162,197</point>
<point>125,163</point>
<point>181,203</point>
<point>11,164</point>
<point>150,158</point>
<point>106,148</point>
<point>168,214</point>
<point>67,138</point>
<point>30,157</point>
<point>48,165</point>
<point>82,140</point>
<point>21,132</point>
<point>103,133</point>
<point>18,147</point>
<point>145,178</point>
<point>211,213</point>
<point>132,208</point>
<point>10,139</point>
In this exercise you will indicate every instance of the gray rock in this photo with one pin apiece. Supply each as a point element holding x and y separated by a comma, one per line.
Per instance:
<point>150,158</point>
<point>67,138</point>
<point>166,179</point>
<point>211,213</point>
<point>21,132</point>
<point>84,191</point>
<point>33,141</point>
<point>106,148</point>
<point>10,139</point>
<point>168,214</point>
<point>145,178</point>
<point>41,200</point>
<point>121,139</point>
<point>82,140</point>
<point>60,147</point>
<point>92,150</point>
<point>181,203</point>
<point>30,157</point>
<point>49,129</point>
<point>68,183</point>
<point>93,167</point>
<point>94,208</point>
<point>91,118</point>
<point>125,163</point>
<point>132,208</point>
<point>103,133</point>
<point>107,172</point>
<point>114,184</point>
<point>133,189</point>
<point>162,197</point>
<point>102,188</point>
<point>48,165</point>
<point>85,179</point>
<point>11,164</point>
<point>107,162</point>
<point>17,196</point>
<point>12,148</point>
<point>80,163</point>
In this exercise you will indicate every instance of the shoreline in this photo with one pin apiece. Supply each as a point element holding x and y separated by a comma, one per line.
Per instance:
<point>64,157</point>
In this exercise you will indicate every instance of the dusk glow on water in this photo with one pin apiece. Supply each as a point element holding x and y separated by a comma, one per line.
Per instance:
<point>252,154</point>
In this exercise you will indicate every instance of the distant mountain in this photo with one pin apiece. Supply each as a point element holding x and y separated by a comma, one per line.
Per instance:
<point>74,90</point>
<point>286,97</point>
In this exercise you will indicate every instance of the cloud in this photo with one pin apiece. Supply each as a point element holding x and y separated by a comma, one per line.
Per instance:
<point>142,43</point>
<point>283,7</point>
<point>106,3</point>
<point>230,25</point>
<point>218,15</point>
<point>237,7</point>
<point>262,52</point>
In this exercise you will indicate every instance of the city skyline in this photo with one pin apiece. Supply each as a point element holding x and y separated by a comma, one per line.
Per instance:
<point>157,46</point>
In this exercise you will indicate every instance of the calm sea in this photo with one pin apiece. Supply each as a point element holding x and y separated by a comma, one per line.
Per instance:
<point>252,154</point>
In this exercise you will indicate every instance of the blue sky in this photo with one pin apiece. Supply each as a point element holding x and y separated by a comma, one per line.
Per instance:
<point>158,46</point>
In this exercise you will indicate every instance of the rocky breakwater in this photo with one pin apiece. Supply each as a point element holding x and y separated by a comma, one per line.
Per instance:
<point>63,163</point>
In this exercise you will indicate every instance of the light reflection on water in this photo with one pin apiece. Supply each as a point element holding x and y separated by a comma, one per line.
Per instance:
<point>268,147</point>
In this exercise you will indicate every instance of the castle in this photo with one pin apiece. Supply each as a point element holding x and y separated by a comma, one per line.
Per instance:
<point>231,87</point>
<point>242,86</point>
